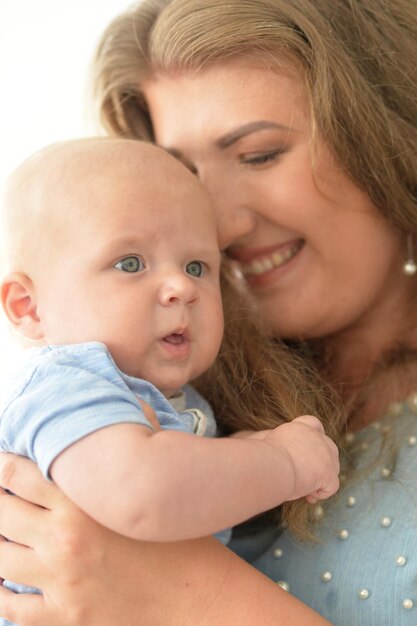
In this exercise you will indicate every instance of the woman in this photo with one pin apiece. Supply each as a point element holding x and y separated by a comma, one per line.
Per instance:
<point>299,117</point>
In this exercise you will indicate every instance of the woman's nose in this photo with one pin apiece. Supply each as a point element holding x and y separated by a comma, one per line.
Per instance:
<point>235,220</point>
<point>178,289</point>
<point>234,224</point>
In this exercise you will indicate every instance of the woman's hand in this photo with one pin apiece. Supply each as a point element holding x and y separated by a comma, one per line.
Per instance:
<point>80,566</point>
<point>91,576</point>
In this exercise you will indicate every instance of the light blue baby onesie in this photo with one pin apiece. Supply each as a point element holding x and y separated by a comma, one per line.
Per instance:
<point>60,394</point>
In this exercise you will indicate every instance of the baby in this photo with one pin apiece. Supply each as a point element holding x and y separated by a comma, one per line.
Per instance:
<point>111,266</point>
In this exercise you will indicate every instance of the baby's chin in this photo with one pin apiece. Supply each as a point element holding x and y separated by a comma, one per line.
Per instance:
<point>168,377</point>
<point>169,384</point>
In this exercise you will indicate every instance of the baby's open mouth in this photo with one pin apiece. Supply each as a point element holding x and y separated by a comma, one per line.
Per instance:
<point>175,339</point>
<point>177,345</point>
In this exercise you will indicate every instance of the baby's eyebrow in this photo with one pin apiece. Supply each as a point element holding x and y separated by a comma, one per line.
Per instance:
<point>127,244</point>
<point>213,254</point>
<point>210,254</point>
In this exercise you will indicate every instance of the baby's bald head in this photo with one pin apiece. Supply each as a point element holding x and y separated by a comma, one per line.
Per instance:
<point>48,195</point>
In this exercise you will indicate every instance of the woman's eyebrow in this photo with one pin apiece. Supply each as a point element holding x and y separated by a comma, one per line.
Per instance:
<point>246,129</point>
<point>230,138</point>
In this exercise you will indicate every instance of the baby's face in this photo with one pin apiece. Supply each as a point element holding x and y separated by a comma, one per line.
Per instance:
<point>137,268</point>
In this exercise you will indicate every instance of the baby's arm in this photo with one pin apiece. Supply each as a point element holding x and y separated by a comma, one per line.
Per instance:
<point>168,485</point>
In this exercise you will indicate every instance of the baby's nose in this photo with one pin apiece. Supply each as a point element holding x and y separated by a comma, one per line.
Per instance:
<point>178,289</point>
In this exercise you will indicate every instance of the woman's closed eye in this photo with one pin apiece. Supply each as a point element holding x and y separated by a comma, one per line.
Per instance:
<point>261,158</point>
<point>130,264</point>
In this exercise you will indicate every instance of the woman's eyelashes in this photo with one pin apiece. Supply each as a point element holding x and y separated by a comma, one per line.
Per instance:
<point>261,158</point>
<point>130,264</point>
<point>255,159</point>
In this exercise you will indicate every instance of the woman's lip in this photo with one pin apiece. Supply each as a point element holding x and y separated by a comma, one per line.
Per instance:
<point>269,260</point>
<point>246,255</point>
<point>266,270</point>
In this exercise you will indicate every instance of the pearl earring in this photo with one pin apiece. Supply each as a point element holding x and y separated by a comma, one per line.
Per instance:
<point>410,266</point>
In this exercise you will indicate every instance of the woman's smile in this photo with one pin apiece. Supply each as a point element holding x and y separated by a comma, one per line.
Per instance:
<point>260,267</point>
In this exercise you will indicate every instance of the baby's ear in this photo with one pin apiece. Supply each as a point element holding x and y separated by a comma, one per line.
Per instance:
<point>18,300</point>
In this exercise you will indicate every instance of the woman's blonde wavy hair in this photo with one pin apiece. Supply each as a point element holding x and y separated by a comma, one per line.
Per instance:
<point>359,62</point>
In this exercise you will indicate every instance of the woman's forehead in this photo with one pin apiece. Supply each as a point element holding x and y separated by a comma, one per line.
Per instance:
<point>224,96</point>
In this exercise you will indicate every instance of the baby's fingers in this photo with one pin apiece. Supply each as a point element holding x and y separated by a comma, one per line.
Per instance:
<point>311,421</point>
<point>150,415</point>
<point>326,490</point>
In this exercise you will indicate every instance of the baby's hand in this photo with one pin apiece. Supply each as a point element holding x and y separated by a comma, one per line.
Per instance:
<point>149,414</point>
<point>313,456</point>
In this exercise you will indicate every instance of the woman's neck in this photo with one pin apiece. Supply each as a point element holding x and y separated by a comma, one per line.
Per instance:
<point>372,372</point>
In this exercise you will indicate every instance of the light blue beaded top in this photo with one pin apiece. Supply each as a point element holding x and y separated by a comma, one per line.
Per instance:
<point>364,570</point>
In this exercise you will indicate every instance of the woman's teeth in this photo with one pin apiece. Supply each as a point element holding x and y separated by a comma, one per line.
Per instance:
<point>269,262</point>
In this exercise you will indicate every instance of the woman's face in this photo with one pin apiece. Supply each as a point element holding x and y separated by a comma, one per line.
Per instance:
<point>312,247</point>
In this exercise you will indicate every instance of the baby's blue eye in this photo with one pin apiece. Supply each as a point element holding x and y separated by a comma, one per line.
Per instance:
<point>195,268</point>
<point>130,264</point>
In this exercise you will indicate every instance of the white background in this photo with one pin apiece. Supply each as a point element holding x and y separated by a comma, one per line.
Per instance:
<point>45,50</point>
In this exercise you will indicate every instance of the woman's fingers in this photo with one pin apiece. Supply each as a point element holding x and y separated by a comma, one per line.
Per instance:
<point>14,516</point>
<point>19,564</point>
<point>23,609</point>
<point>22,477</point>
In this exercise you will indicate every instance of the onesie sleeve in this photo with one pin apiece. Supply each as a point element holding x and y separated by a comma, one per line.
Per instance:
<point>62,400</point>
